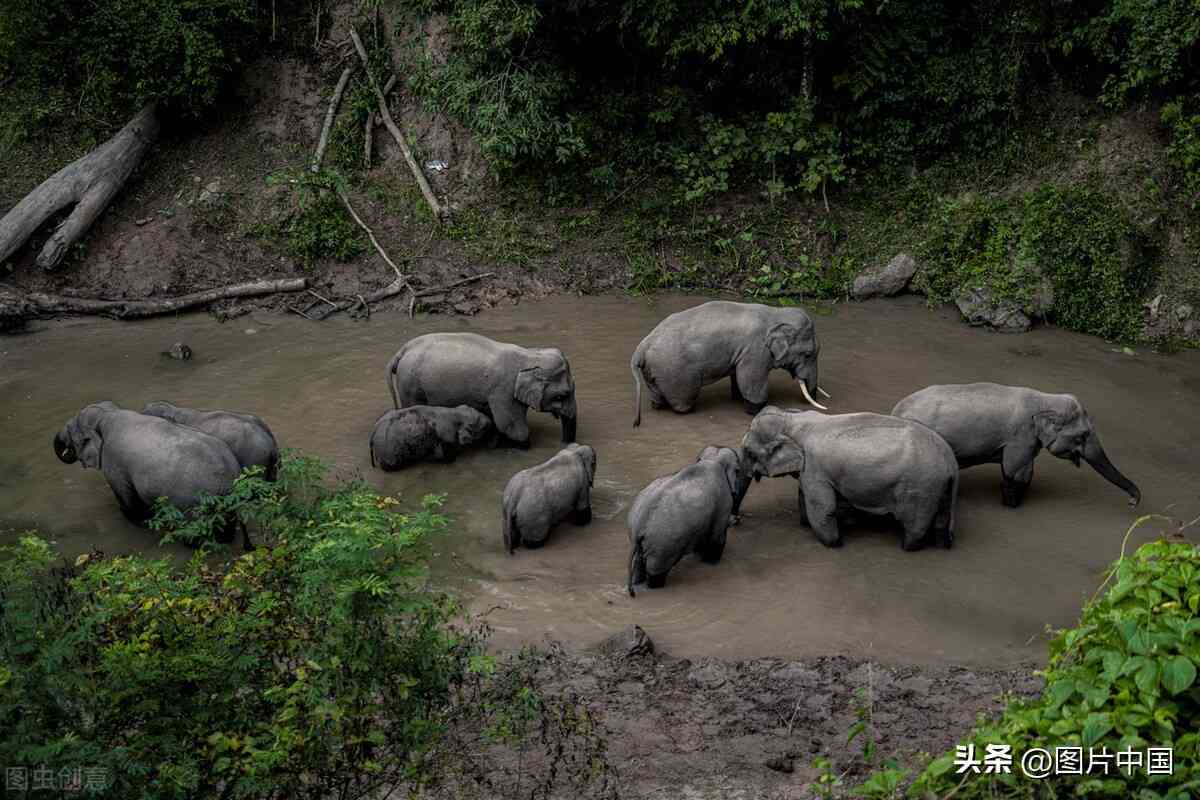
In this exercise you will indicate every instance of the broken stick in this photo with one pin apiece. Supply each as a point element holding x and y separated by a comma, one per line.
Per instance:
<point>430,198</point>
<point>346,200</point>
<point>323,142</point>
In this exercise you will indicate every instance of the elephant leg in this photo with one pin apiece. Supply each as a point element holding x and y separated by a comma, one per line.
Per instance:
<point>679,392</point>
<point>656,581</point>
<point>582,516</point>
<point>734,392</point>
<point>449,452</point>
<point>714,548</point>
<point>130,502</point>
<point>751,381</point>
<point>820,503</point>
<point>1016,472</point>
<point>917,520</point>
<point>803,509</point>
<point>509,417</point>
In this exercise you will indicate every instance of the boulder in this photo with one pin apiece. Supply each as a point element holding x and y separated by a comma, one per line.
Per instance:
<point>891,279</point>
<point>978,307</point>
<point>627,643</point>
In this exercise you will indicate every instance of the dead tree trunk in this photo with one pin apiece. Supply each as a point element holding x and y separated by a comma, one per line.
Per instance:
<point>89,184</point>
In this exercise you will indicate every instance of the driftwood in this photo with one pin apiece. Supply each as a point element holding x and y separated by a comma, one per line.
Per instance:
<point>334,101</point>
<point>90,183</point>
<point>38,303</point>
<point>346,201</point>
<point>398,286</point>
<point>434,206</point>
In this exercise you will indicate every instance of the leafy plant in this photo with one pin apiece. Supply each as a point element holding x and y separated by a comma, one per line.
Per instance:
<point>314,224</point>
<point>1124,677</point>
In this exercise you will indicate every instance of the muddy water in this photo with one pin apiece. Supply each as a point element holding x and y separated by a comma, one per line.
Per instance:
<point>777,591</point>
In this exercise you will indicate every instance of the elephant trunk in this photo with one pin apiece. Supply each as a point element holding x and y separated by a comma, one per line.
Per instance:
<point>568,419</point>
<point>1094,454</point>
<point>64,449</point>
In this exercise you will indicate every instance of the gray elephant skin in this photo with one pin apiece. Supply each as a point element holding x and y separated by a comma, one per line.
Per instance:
<point>501,380</point>
<point>689,511</point>
<point>872,463</point>
<point>989,423</point>
<point>423,433</point>
<point>144,458</point>
<point>742,341</point>
<point>538,498</point>
<point>252,442</point>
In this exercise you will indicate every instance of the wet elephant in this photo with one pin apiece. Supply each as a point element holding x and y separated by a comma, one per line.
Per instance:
<point>742,341</point>
<point>989,423</point>
<point>867,462</point>
<point>145,457</point>
<point>251,441</point>
<point>501,380</point>
<point>420,433</point>
<point>538,498</point>
<point>689,511</point>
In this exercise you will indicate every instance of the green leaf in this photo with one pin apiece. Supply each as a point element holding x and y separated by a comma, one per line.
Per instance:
<point>1147,678</point>
<point>1095,727</point>
<point>1178,674</point>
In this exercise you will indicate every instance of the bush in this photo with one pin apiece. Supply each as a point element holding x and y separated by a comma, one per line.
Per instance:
<point>1123,678</point>
<point>319,666</point>
<point>314,224</point>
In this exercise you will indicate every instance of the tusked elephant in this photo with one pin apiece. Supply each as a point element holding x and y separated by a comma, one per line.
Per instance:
<point>689,511</point>
<point>870,462</point>
<point>246,434</point>
<point>989,423</point>
<point>742,341</point>
<point>419,433</point>
<point>501,380</point>
<point>144,458</point>
<point>538,498</point>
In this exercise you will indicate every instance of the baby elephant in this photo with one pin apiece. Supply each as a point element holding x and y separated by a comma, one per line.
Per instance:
<point>247,436</point>
<point>423,433</point>
<point>538,498</point>
<point>688,512</point>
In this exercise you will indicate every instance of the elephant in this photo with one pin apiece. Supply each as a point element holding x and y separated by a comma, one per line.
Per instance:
<point>501,380</point>
<point>538,498</point>
<point>145,457</point>
<point>866,462</point>
<point>989,423</point>
<point>742,341</point>
<point>247,435</point>
<point>689,511</point>
<point>421,433</point>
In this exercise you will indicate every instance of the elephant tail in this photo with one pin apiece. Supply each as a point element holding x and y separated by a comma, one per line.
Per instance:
<point>512,536</point>
<point>637,565</point>
<point>952,502</point>
<point>635,366</point>
<point>391,377</point>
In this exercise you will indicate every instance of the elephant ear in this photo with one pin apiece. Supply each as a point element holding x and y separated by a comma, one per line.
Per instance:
<point>88,443</point>
<point>732,466</point>
<point>587,457</point>
<point>530,387</point>
<point>779,339</point>
<point>1048,425</point>
<point>786,457</point>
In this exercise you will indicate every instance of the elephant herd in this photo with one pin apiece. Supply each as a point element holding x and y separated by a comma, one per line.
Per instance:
<point>455,390</point>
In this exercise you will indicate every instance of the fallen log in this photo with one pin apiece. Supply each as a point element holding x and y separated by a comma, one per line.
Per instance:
<point>38,303</point>
<point>334,102</point>
<point>89,183</point>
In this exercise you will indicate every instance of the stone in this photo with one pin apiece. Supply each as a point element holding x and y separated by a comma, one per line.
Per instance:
<point>709,676</point>
<point>1191,329</point>
<point>978,307</point>
<point>179,351</point>
<point>629,642</point>
<point>468,308</point>
<point>891,279</point>
<point>781,763</point>
<point>1183,311</point>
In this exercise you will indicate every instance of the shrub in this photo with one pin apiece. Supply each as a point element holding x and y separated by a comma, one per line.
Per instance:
<point>1123,678</point>
<point>314,224</point>
<point>322,665</point>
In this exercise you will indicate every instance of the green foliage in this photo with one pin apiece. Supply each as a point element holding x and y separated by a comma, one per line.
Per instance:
<point>321,665</point>
<point>1182,118</point>
<point>314,224</point>
<point>807,277</point>
<point>1124,677</point>
<point>1095,257</point>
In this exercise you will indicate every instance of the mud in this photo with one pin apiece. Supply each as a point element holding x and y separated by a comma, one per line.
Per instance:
<point>777,592</point>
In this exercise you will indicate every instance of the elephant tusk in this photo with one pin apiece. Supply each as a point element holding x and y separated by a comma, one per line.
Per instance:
<point>808,397</point>
<point>824,393</point>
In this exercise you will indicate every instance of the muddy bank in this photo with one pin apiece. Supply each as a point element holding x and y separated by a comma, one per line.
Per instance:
<point>709,728</point>
<point>776,593</point>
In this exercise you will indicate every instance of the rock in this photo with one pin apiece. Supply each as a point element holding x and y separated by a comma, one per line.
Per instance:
<point>978,307</point>
<point>710,676</point>
<point>1153,306</point>
<point>796,674</point>
<point>629,642</point>
<point>919,687</point>
<point>890,280</point>
<point>431,300</point>
<point>781,763</point>
<point>467,307</point>
<point>179,351</point>
<point>1183,311</point>
<point>1191,329</point>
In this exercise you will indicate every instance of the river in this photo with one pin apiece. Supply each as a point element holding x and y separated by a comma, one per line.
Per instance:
<point>777,592</point>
